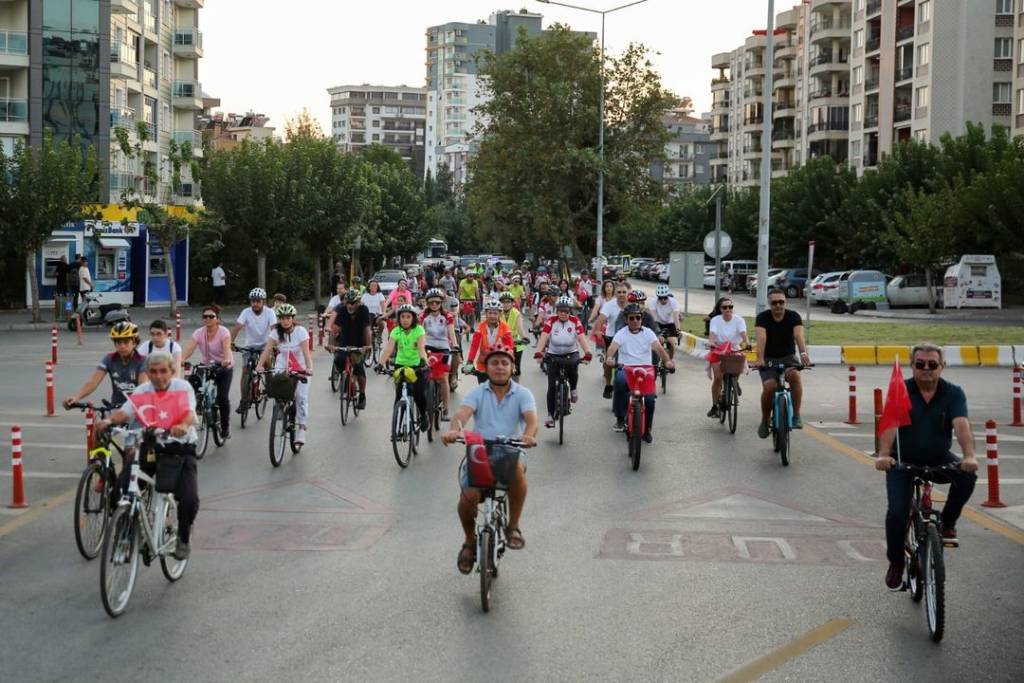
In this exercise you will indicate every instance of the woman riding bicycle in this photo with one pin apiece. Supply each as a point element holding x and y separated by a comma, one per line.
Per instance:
<point>724,328</point>
<point>511,316</point>
<point>293,355</point>
<point>439,326</point>
<point>561,336</point>
<point>408,343</point>
<point>489,332</point>
<point>214,343</point>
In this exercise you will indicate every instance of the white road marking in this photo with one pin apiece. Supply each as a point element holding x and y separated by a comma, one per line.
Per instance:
<point>46,475</point>
<point>61,446</point>
<point>45,425</point>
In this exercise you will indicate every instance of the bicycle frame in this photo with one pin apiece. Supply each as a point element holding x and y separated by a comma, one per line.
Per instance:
<point>782,394</point>
<point>492,516</point>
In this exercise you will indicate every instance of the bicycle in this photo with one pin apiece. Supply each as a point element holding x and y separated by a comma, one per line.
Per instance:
<point>377,344</point>
<point>281,388</point>
<point>492,511</point>
<point>207,410</point>
<point>468,309</point>
<point>439,368</point>
<point>405,434</point>
<point>640,382</point>
<point>346,380</point>
<point>257,386</point>
<point>144,523</point>
<point>780,422</point>
<point>92,512</point>
<point>660,365</point>
<point>729,401</point>
<point>563,406</point>
<point>925,567</point>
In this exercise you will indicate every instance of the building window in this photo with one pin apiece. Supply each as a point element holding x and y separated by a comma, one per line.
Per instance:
<point>858,75</point>
<point>375,123</point>
<point>376,110</point>
<point>858,38</point>
<point>1001,93</point>
<point>922,96</point>
<point>1004,6</point>
<point>921,134</point>
<point>924,54</point>
<point>858,112</point>
<point>855,149</point>
<point>1004,48</point>
<point>376,137</point>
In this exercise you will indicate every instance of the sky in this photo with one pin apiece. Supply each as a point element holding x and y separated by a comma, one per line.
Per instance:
<point>279,57</point>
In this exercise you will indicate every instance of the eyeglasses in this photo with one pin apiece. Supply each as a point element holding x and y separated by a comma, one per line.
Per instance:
<point>726,308</point>
<point>930,365</point>
<point>662,298</point>
<point>119,342</point>
<point>634,317</point>
<point>209,316</point>
<point>778,303</point>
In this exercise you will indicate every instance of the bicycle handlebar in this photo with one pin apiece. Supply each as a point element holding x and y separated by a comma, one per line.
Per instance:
<point>103,409</point>
<point>925,470</point>
<point>499,441</point>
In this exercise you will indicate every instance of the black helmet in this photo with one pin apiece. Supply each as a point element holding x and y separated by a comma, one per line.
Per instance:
<point>632,309</point>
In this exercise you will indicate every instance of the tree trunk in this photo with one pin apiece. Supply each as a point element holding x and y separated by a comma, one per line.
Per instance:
<point>261,269</point>
<point>30,270</point>
<point>931,290</point>
<point>317,274</point>
<point>172,286</point>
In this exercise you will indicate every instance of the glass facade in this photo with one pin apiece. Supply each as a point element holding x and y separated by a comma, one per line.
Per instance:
<point>71,68</point>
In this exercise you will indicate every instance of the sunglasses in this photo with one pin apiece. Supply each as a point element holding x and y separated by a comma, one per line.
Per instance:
<point>929,364</point>
<point>209,316</point>
<point>726,308</point>
<point>662,298</point>
<point>777,303</point>
<point>634,317</point>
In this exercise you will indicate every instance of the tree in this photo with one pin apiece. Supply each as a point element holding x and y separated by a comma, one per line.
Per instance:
<point>302,126</point>
<point>534,179</point>
<point>920,234</point>
<point>392,224</point>
<point>41,188</point>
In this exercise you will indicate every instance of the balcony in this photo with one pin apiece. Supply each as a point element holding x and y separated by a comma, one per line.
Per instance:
<point>188,193</point>
<point>824,126</point>
<point>193,138</point>
<point>187,95</point>
<point>872,8</point>
<point>904,73</point>
<point>901,113</point>
<point>904,33</point>
<point>753,120</point>
<point>871,84</point>
<point>128,7</point>
<point>150,80</point>
<point>871,120</point>
<point>13,111</point>
<point>151,25</point>
<point>188,43</point>
<point>873,44</point>
<point>820,94</point>
<point>123,61</point>
<point>752,149</point>
<point>121,181</point>
<point>784,134</point>
<point>122,117</point>
<point>829,24</point>
<point>190,4</point>
<point>13,48</point>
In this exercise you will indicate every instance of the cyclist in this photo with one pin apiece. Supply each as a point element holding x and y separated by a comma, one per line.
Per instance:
<point>609,313</point>
<point>511,316</point>
<point>408,343</point>
<point>634,344</point>
<point>724,327</point>
<point>125,367</point>
<point>214,343</point>
<point>779,333</point>
<point>257,320</point>
<point>499,407</point>
<point>448,282</point>
<point>545,306</point>
<point>517,290</point>
<point>291,342</point>
<point>666,316</point>
<point>638,297</point>
<point>469,296</point>
<point>586,288</point>
<point>181,440</point>
<point>938,409</point>
<point>351,327</point>
<point>439,326</point>
<point>560,337</point>
<point>160,340</point>
<point>490,332</point>
<point>337,299</point>
<point>376,302</point>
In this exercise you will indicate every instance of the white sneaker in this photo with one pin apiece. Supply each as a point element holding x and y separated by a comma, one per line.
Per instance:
<point>300,435</point>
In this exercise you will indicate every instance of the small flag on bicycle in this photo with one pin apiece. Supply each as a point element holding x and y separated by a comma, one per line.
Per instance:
<point>161,409</point>
<point>896,412</point>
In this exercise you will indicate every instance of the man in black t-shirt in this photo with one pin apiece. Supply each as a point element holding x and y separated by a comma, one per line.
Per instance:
<point>779,334</point>
<point>351,327</point>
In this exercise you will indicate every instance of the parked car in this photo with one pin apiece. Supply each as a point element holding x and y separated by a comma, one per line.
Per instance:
<point>388,279</point>
<point>912,290</point>
<point>637,263</point>
<point>413,269</point>
<point>793,281</point>
<point>662,272</point>
<point>773,276</point>
<point>709,277</point>
<point>823,287</point>
<point>737,273</point>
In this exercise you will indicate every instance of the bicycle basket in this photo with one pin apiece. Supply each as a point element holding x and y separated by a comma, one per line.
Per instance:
<point>641,378</point>
<point>733,363</point>
<point>489,468</point>
<point>356,356</point>
<point>281,386</point>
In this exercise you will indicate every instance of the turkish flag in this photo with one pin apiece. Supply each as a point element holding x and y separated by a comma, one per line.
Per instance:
<point>160,409</point>
<point>293,363</point>
<point>896,412</point>
<point>715,354</point>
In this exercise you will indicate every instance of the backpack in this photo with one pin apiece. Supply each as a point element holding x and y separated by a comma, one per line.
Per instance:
<point>72,278</point>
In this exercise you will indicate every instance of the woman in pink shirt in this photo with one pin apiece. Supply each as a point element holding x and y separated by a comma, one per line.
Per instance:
<point>400,292</point>
<point>214,343</point>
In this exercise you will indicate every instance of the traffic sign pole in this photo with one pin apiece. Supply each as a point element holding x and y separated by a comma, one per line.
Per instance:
<point>807,288</point>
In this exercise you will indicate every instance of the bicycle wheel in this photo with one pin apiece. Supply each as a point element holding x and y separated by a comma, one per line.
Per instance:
<point>399,434</point>
<point>723,401</point>
<point>663,371</point>
<point>335,376</point>
<point>171,567</point>
<point>934,584</point>
<point>259,390</point>
<point>343,402</point>
<point>92,510</point>
<point>120,562</point>
<point>733,405</point>
<point>218,435</point>
<point>244,407</point>
<point>635,436</point>
<point>377,344</point>
<point>432,399</point>
<point>413,428</point>
<point>912,562</point>
<point>204,433</point>
<point>291,430</point>
<point>484,545</point>
<point>278,435</point>
<point>353,390</point>
<point>560,402</point>
<point>782,429</point>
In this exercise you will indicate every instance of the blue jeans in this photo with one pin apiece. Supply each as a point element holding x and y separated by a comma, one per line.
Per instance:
<point>620,400</point>
<point>899,486</point>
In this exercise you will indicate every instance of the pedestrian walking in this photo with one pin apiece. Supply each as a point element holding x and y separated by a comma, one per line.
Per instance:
<point>220,283</point>
<point>71,278</point>
<point>84,277</point>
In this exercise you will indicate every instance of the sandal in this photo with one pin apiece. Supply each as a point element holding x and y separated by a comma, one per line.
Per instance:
<point>467,558</point>
<point>515,539</point>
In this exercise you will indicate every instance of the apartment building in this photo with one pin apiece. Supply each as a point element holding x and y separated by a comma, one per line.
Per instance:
<point>226,131</point>
<point>1018,69</point>
<point>686,154</point>
<point>922,68</point>
<point>392,116</point>
<point>14,74</point>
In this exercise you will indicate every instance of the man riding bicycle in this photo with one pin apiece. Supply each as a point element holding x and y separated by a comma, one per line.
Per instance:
<point>634,344</point>
<point>257,320</point>
<point>779,333</point>
<point>181,439</point>
<point>439,326</point>
<point>724,328</point>
<point>560,337</point>
<point>351,327</point>
<point>408,343</point>
<point>938,409</point>
<point>125,367</point>
<point>605,324</point>
<point>666,316</point>
<point>499,407</point>
<point>513,317</point>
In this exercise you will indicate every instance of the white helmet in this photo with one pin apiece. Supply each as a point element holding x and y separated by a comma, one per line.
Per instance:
<point>257,294</point>
<point>662,291</point>
<point>564,302</point>
<point>492,305</point>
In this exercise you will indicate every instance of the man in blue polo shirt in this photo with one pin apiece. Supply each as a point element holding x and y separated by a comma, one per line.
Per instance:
<point>938,408</point>
<point>499,407</point>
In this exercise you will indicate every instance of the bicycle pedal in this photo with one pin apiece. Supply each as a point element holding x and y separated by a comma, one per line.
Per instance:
<point>950,543</point>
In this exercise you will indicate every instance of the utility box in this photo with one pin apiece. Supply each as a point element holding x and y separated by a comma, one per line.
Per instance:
<point>686,269</point>
<point>974,282</point>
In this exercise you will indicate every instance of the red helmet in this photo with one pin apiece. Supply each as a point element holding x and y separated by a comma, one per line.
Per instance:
<point>500,347</point>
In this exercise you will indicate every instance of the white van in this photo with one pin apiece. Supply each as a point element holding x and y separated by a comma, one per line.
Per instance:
<point>974,282</point>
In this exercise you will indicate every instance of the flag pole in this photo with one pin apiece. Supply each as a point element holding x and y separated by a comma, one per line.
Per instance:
<point>899,456</point>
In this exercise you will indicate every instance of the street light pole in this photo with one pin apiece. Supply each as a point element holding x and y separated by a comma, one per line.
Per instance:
<point>600,128</point>
<point>764,213</point>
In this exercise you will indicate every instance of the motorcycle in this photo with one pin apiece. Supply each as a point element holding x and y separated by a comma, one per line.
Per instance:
<point>93,313</point>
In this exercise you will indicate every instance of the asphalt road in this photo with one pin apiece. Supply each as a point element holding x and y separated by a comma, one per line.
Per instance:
<point>711,560</point>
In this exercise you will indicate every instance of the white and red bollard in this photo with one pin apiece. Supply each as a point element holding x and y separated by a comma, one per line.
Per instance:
<point>53,344</point>
<point>320,335</point>
<point>992,451</point>
<point>90,430</point>
<point>49,390</point>
<point>312,326</point>
<point>177,326</point>
<point>1017,422</point>
<point>17,475</point>
<point>852,417</point>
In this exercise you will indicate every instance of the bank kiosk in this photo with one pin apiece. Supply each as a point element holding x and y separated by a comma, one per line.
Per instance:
<point>974,282</point>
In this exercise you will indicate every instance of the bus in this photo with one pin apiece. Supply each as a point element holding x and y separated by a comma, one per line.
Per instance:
<point>436,249</point>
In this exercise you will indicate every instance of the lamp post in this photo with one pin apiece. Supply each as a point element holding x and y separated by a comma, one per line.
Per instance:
<point>600,134</point>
